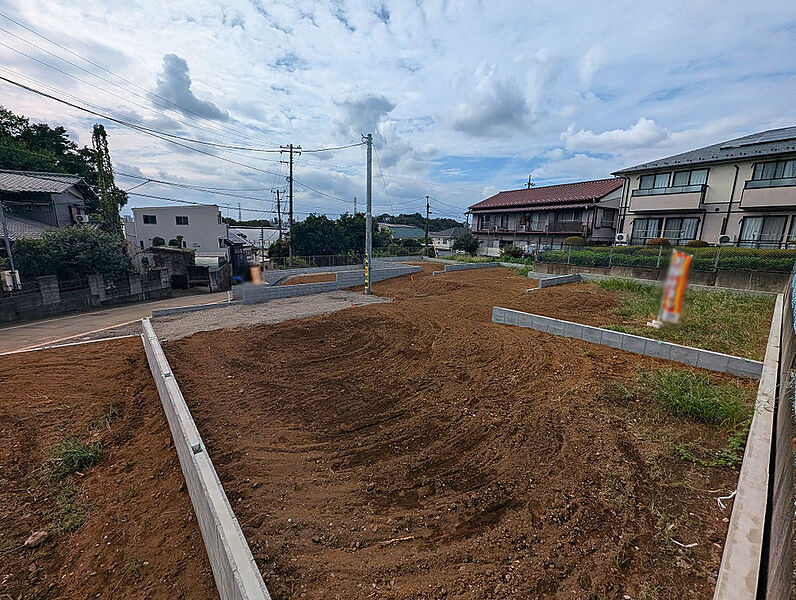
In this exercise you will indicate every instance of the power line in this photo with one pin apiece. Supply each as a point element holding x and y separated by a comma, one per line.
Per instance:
<point>384,182</point>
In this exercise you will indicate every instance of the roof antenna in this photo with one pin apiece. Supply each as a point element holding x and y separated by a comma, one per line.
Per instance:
<point>530,185</point>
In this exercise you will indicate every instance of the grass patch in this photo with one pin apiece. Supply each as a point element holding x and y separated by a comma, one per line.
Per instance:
<point>113,413</point>
<point>69,513</point>
<point>72,455</point>
<point>725,322</point>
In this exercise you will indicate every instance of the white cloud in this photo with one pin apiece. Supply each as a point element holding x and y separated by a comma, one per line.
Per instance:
<point>496,106</point>
<point>644,132</point>
<point>590,63</point>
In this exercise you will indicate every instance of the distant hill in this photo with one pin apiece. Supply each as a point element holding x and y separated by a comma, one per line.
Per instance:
<point>419,220</point>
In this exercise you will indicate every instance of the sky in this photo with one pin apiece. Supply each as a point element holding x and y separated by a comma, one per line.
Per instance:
<point>463,99</point>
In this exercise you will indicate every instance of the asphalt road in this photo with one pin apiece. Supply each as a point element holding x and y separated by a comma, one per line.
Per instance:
<point>62,329</point>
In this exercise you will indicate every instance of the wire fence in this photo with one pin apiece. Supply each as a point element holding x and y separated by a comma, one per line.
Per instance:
<point>706,259</point>
<point>317,260</point>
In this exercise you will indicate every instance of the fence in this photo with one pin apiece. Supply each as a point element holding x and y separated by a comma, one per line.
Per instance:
<point>316,260</point>
<point>708,259</point>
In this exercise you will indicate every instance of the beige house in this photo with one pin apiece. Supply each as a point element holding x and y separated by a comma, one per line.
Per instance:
<point>740,192</point>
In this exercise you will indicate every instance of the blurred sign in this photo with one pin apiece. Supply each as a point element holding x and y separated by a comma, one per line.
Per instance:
<point>257,276</point>
<point>674,289</point>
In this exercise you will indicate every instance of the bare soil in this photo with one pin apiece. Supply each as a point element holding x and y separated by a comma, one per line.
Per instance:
<point>140,538</point>
<point>311,278</point>
<point>414,449</point>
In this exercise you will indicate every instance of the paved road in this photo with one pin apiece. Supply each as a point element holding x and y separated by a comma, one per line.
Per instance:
<point>37,333</point>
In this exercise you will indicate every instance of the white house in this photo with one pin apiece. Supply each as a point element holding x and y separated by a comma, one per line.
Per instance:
<point>200,226</point>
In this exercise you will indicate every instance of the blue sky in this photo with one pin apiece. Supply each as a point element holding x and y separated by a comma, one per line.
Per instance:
<point>464,98</point>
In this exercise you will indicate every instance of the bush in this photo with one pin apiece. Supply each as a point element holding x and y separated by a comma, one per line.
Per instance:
<point>513,251</point>
<point>72,253</point>
<point>575,240</point>
<point>697,244</point>
<point>158,241</point>
<point>660,241</point>
<point>278,249</point>
<point>467,242</point>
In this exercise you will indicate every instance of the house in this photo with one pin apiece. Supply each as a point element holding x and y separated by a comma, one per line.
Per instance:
<point>260,238</point>
<point>36,201</point>
<point>544,216</point>
<point>404,232</point>
<point>443,240</point>
<point>200,227</point>
<point>742,191</point>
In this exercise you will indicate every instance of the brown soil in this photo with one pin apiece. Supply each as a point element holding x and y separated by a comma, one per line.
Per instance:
<point>312,278</point>
<point>416,450</point>
<point>140,538</point>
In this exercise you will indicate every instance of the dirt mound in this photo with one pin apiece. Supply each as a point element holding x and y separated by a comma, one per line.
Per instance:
<point>416,450</point>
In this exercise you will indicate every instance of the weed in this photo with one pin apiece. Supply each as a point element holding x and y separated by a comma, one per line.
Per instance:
<point>114,413</point>
<point>130,493</point>
<point>133,565</point>
<point>697,396</point>
<point>69,513</point>
<point>731,456</point>
<point>73,455</point>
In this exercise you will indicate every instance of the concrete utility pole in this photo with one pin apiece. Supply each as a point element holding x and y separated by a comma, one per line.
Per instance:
<point>355,205</point>
<point>8,246</point>
<point>426,228</point>
<point>278,212</point>
<point>291,149</point>
<point>240,217</point>
<point>368,218</point>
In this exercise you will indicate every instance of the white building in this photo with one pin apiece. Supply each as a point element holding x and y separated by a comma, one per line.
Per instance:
<point>200,226</point>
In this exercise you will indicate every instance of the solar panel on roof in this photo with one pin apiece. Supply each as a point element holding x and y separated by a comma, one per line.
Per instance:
<point>776,135</point>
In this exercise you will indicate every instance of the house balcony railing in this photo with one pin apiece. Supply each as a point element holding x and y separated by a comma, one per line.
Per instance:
<point>762,194</point>
<point>552,227</point>
<point>566,227</point>
<point>674,198</point>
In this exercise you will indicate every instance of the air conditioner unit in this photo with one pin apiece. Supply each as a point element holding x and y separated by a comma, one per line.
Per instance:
<point>9,278</point>
<point>83,219</point>
<point>724,239</point>
<point>621,239</point>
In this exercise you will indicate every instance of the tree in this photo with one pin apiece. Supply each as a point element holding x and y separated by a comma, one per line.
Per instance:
<point>246,223</point>
<point>419,220</point>
<point>72,252</point>
<point>317,234</point>
<point>158,241</point>
<point>352,227</point>
<point>176,242</point>
<point>278,249</point>
<point>111,197</point>
<point>467,242</point>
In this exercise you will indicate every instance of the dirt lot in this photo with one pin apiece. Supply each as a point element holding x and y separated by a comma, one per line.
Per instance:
<point>416,450</point>
<point>139,538</point>
<point>311,278</point>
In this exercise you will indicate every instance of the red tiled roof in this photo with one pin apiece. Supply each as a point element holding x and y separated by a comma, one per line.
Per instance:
<point>551,194</point>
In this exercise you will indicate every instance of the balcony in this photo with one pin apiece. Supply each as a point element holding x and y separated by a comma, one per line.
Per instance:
<point>566,227</point>
<point>768,194</point>
<point>676,198</point>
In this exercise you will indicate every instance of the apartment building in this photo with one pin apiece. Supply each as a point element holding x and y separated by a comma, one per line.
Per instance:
<point>543,216</point>
<point>742,192</point>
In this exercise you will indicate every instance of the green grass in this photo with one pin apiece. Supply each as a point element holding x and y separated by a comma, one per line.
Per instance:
<point>69,513</point>
<point>72,455</point>
<point>687,393</point>
<point>725,322</point>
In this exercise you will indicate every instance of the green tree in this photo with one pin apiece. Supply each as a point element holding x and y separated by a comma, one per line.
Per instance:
<point>158,241</point>
<point>352,227</point>
<point>466,242</point>
<point>278,249</point>
<point>317,234</point>
<point>418,220</point>
<point>72,252</point>
<point>111,197</point>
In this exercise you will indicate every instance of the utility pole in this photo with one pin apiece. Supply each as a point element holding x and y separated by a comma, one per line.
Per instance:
<point>529,184</point>
<point>368,218</point>
<point>291,149</point>
<point>355,205</point>
<point>240,218</point>
<point>278,212</point>
<point>8,247</point>
<point>426,229</point>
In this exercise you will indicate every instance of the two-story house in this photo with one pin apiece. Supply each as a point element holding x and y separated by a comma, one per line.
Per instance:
<point>543,216</point>
<point>741,191</point>
<point>200,228</point>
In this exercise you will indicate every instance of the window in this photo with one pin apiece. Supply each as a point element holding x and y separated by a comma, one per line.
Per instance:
<point>181,220</point>
<point>504,221</point>
<point>780,169</point>
<point>150,220</point>
<point>696,177</point>
<point>537,221</point>
<point>142,244</point>
<point>608,217</point>
<point>221,243</point>
<point>761,232</point>
<point>569,215</point>
<point>645,229</point>
<point>679,231</point>
<point>659,180</point>
<point>485,221</point>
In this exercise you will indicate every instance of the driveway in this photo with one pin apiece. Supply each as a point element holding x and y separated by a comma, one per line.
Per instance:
<point>49,331</point>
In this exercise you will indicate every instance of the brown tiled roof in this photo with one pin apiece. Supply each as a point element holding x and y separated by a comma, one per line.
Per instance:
<point>551,194</point>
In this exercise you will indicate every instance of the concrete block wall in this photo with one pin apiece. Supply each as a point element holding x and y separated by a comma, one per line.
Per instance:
<point>557,280</point>
<point>254,294</point>
<point>234,570</point>
<point>695,357</point>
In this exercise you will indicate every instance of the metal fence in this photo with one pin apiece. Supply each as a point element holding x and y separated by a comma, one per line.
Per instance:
<point>317,260</point>
<point>705,259</point>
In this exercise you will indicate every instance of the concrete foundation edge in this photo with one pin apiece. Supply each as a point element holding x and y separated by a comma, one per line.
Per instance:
<point>694,357</point>
<point>163,312</point>
<point>234,569</point>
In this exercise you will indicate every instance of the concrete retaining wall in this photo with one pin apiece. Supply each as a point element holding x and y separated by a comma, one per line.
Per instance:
<point>236,574</point>
<point>558,280</point>
<point>694,357</point>
<point>253,294</point>
<point>466,267</point>
<point>163,312</point>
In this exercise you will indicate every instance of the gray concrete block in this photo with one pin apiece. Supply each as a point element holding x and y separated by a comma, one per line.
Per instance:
<point>634,343</point>
<point>525,320</point>
<point>591,334</point>
<point>555,327</point>
<point>712,361</point>
<point>658,349</point>
<point>498,314</point>
<point>684,354</point>
<point>573,330</point>
<point>540,323</point>
<point>743,367</point>
<point>611,338</point>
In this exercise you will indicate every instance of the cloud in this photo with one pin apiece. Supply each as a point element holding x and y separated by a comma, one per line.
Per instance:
<point>174,84</point>
<point>590,63</point>
<point>291,62</point>
<point>645,132</point>
<point>495,107</point>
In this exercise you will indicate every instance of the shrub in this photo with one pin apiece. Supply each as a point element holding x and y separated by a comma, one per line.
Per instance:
<point>158,241</point>
<point>697,244</point>
<point>513,251</point>
<point>74,455</point>
<point>278,248</point>
<point>575,240</point>
<point>467,242</point>
<point>660,241</point>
